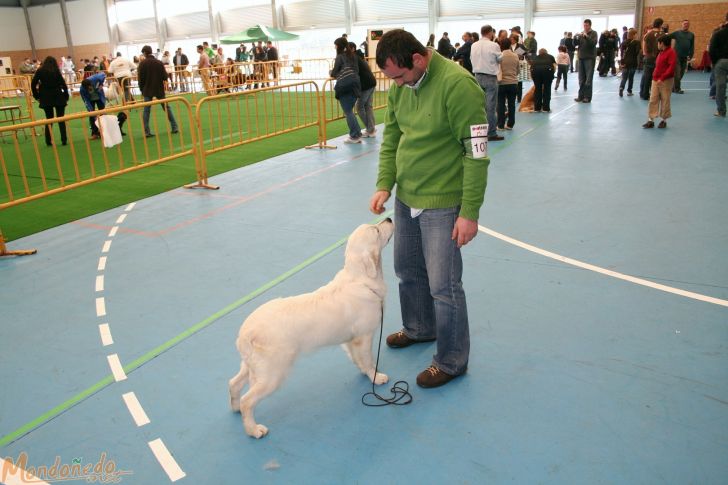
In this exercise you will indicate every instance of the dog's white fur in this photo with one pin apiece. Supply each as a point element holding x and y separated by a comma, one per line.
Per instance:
<point>346,311</point>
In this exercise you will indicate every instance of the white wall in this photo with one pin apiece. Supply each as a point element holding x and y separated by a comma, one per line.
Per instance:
<point>13,31</point>
<point>47,24</point>
<point>87,19</point>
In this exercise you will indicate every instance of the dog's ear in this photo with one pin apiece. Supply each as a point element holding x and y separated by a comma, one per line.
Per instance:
<point>371,264</point>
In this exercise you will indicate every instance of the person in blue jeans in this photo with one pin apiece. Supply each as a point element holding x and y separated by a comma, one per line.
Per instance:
<point>346,73</point>
<point>152,74</point>
<point>434,149</point>
<point>629,62</point>
<point>718,51</point>
<point>92,94</point>
<point>587,41</point>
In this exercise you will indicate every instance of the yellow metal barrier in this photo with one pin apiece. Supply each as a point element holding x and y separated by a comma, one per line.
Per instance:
<point>32,172</point>
<point>235,119</point>
<point>16,101</point>
<point>330,109</point>
<point>305,69</point>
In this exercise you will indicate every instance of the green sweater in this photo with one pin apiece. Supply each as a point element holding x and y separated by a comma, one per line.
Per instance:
<point>421,150</point>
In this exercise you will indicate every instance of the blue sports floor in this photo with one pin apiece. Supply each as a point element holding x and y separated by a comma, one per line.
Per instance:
<point>578,374</point>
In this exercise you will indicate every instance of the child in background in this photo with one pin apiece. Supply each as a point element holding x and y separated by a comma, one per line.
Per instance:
<point>563,61</point>
<point>663,79</point>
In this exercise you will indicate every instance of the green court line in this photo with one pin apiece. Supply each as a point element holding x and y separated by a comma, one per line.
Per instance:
<point>108,380</point>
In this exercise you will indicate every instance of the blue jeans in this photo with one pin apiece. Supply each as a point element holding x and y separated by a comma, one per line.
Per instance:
<point>648,67</point>
<point>429,267</point>
<point>627,75</point>
<point>586,75</point>
<point>347,105</point>
<point>489,83</point>
<point>147,110</point>
<point>721,72</point>
<point>365,110</point>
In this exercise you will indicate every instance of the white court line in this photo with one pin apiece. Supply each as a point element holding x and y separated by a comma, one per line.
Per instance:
<point>121,219</point>
<point>17,476</point>
<point>107,246</point>
<point>105,333</point>
<point>102,263</point>
<point>100,282</point>
<point>113,230</point>
<point>116,368</point>
<point>130,206</point>
<point>135,409</point>
<point>100,307</point>
<point>604,271</point>
<point>165,458</point>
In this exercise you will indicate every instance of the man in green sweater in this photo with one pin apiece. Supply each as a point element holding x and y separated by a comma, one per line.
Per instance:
<point>434,150</point>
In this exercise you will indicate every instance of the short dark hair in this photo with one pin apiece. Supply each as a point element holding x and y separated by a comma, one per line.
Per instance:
<point>399,46</point>
<point>657,23</point>
<point>146,50</point>
<point>587,21</point>
<point>664,39</point>
<point>485,30</point>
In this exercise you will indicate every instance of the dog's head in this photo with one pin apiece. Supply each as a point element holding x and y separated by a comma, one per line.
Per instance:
<point>364,248</point>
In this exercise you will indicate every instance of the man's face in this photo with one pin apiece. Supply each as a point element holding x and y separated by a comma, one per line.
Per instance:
<point>587,26</point>
<point>402,75</point>
<point>686,25</point>
<point>660,46</point>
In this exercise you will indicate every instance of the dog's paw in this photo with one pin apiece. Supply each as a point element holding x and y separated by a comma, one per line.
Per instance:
<point>258,431</point>
<point>381,379</point>
<point>235,404</point>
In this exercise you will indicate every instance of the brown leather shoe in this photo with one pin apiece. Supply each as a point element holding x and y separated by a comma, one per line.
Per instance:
<point>433,377</point>
<point>399,340</point>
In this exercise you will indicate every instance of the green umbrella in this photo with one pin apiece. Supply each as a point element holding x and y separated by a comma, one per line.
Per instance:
<point>259,32</point>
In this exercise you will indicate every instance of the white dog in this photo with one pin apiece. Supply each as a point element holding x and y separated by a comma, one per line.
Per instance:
<point>346,311</point>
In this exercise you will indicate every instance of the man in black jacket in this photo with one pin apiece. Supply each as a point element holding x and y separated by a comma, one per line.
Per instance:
<point>444,47</point>
<point>152,75</point>
<point>180,62</point>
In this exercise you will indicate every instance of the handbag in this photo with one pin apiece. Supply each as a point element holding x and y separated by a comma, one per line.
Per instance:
<point>347,82</point>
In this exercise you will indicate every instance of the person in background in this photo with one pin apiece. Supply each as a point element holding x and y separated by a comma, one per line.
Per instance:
<point>152,75</point>
<point>543,67</point>
<point>649,51</point>
<point>27,67</point>
<point>562,66</point>
<point>520,51</point>
<point>440,189</point>
<point>219,58</point>
<point>364,106</point>
<point>629,61</point>
<point>444,47</point>
<point>104,63</point>
<point>272,57</point>
<point>180,62</point>
<point>208,50</point>
<point>683,42</point>
<point>718,51</point>
<point>486,56</point>
<point>346,66</point>
<point>204,61</point>
<point>92,94</point>
<point>122,69</point>
<point>51,92</point>
<point>662,82</point>
<point>587,42</point>
<point>507,86</point>
<point>431,41</point>
<point>68,69</point>
<point>531,44</point>
<point>502,35</point>
<point>463,53</point>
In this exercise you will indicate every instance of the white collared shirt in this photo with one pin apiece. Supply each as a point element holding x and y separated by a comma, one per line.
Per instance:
<point>485,56</point>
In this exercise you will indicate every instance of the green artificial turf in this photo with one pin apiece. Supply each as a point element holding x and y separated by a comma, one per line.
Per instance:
<point>221,123</point>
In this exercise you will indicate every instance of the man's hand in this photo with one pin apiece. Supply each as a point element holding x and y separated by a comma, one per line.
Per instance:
<point>376,203</point>
<point>464,231</point>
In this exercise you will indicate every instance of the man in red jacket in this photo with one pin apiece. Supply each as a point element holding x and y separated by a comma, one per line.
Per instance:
<point>663,79</point>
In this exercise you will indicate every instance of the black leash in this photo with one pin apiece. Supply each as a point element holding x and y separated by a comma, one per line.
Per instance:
<point>400,389</point>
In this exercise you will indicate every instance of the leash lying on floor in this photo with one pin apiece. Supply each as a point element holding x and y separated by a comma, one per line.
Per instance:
<point>400,390</point>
